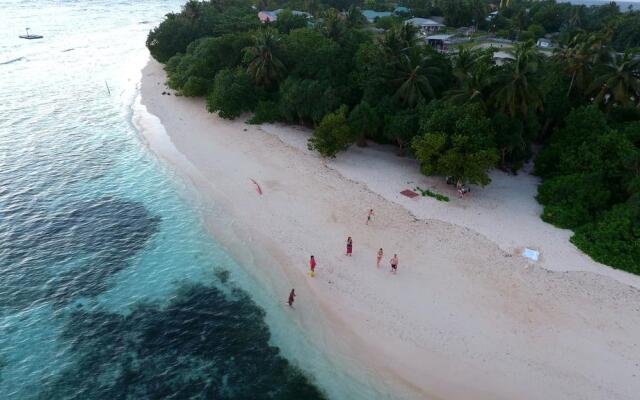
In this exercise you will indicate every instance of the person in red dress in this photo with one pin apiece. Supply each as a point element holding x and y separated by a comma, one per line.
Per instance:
<point>349,246</point>
<point>312,265</point>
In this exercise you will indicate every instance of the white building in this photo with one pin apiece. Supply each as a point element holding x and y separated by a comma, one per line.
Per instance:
<point>425,25</point>
<point>544,43</point>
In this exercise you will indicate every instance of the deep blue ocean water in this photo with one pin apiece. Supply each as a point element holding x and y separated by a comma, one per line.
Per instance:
<point>110,287</point>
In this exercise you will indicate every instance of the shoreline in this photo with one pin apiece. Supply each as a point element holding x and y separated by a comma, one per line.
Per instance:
<point>462,319</point>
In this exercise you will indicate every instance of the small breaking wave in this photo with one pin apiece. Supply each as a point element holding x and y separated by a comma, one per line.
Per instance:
<point>12,61</point>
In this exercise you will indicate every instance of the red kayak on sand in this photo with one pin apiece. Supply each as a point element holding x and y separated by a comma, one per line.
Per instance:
<point>258,189</point>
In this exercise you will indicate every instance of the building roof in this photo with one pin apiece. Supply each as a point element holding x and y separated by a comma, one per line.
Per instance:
<point>504,55</point>
<point>371,15</point>
<point>402,10</point>
<point>273,15</point>
<point>438,37</point>
<point>421,22</point>
<point>294,12</point>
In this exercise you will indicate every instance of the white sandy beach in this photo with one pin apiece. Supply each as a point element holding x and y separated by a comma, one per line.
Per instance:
<point>465,317</point>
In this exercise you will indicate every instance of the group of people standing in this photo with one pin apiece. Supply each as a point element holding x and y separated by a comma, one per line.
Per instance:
<point>379,255</point>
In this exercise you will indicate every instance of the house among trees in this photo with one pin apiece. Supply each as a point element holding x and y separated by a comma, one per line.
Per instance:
<point>371,15</point>
<point>491,16</point>
<point>402,10</point>
<point>502,57</point>
<point>425,25</point>
<point>439,42</point>
<point>544,43</point>
<point>272,16</point>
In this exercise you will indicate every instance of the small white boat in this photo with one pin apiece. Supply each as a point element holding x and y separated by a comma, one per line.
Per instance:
<point>30,36</point>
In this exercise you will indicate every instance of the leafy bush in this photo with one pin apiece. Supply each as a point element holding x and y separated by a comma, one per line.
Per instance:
<point>573,200</point>
<point>193,72</point>
<point>232,93</point>
<point>287,21</point>
<point>266,112</point>
<point>401,128</point>
<point>526,36</point>
<point>195,86</point>
<point>458,141</point>
<point>387,22</point>
<point>306,99</point>
<point>613,239</point>
<point>537,31</point>
<point>333,134</point>
<point>197,20</point>
<point>592,182</point>
<point>427,192</point>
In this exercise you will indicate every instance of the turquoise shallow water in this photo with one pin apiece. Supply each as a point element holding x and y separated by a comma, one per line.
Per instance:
<point>109,285</point>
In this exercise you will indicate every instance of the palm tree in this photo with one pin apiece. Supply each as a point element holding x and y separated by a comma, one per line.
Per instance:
<point>579,57</point>
<point>333,25</point>
<point>470,68</point>
<point>261,4</point>
<point>618,81</point>
<point>517,89</point>
<point>575,19</point>
<point>193,9</point>
<point>416,76</point>
<point>398,40</point>
<point>364,120</point>
<point>480,9</point>
<point>354,17</point>
<point>262,64</point>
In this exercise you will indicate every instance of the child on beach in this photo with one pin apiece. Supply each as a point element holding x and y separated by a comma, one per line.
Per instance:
<point>370,215</point>
<point>349,246</point>
<point>379,257</point>
<point>292,297</point>
<point>312,265</point>
<point>394,263</point>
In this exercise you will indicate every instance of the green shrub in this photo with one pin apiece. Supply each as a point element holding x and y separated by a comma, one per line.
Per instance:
<point>427,192</point>
<point>614,239</point>
<point>573,200</point>
<point>232,93</point>
<point>525,36</point>
<point>537,31</point>
<point>195,86</point>
<point>266,112</point>
<point>333,134</point>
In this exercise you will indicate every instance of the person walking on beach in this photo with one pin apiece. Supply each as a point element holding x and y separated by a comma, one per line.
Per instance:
<point>312,265</point>
<point>379,257</point>
<point>349,246</point>
<point>394,263</point>
<point>292,297</point>
<point>370,215</point>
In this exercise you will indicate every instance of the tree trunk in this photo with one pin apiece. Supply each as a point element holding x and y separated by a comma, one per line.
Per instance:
<point>401,150</point>
<point>503,156</point>
<point>362,140</point>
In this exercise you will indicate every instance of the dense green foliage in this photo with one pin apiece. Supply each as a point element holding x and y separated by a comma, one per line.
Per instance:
<point>592,185</point>
<point>198,20</point>
<point>193,72</point>
<point>460,114</point>
<point>333,134</point>
<point>458,142</point>
<point>232,93</point>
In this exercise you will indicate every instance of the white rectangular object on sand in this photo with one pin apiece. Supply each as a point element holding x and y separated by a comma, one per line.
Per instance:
<point>531,254</point>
